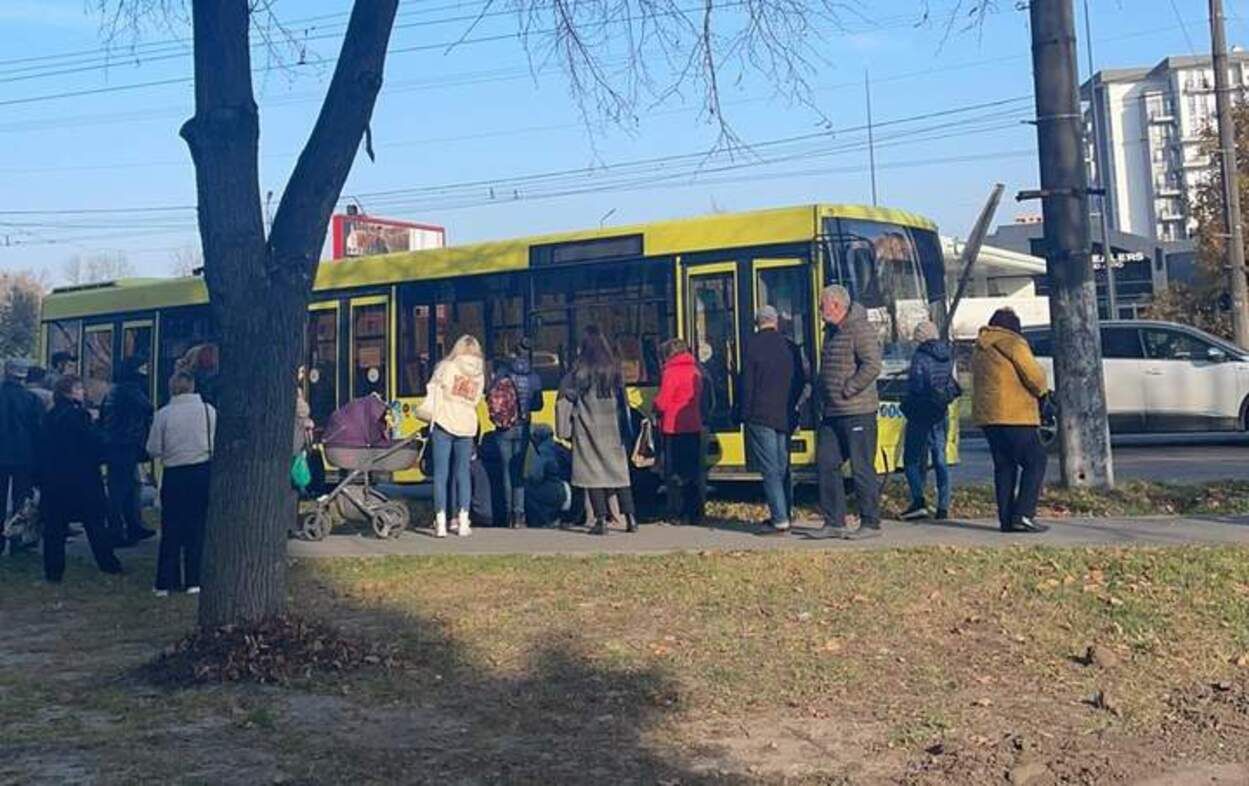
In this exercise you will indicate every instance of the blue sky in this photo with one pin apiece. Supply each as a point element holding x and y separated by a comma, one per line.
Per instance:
<point>476,114</point>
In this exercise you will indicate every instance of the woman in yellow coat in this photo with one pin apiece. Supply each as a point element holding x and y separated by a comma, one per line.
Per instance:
<point>1009,386</point>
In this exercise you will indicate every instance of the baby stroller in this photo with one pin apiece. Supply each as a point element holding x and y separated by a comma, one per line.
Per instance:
<point>357,440</point>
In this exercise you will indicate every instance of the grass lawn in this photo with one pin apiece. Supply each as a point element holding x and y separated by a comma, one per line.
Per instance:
<point>920,666</point>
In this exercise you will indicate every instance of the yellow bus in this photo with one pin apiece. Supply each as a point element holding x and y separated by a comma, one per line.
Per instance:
<point>379,324</point>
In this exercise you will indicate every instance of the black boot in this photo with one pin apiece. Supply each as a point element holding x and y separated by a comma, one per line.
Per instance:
<point>599,528</point>
<point>631,523</point>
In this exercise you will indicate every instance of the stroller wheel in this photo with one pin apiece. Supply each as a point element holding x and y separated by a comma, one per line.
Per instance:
<point>317,525</point>
<point>390,519</point>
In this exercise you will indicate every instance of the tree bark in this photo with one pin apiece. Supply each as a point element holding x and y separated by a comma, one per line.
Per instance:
<point>259,290</point>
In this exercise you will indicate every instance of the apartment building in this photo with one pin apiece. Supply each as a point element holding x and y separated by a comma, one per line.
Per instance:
<point>1147,128</point>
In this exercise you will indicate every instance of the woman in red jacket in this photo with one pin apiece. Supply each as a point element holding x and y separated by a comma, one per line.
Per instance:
<point>679,407</point>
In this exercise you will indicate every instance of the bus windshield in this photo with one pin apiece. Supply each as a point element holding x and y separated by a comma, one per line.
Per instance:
<point>893,271</point>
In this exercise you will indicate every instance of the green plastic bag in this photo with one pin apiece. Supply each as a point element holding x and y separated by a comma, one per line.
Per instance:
<point>301,473</point>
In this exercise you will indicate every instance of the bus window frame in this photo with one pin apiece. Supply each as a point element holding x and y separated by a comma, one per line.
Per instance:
<point>388,342</point>
<point>658,271</point>
<point>153,348</point>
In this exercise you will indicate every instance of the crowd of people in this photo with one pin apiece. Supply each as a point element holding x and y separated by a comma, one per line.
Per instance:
<point>589,469</point>
<point>518,475</point>
<point>83,466</point>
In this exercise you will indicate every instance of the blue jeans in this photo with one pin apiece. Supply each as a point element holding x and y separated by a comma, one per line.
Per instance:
<point>769,451</point>
<point>923,442</point>
<point>513,445</point>
<point>452,455</point>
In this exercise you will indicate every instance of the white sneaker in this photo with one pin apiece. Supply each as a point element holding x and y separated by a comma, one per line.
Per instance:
<point>464,529</point>
<point>160,593</point>
<point>440,524</point>
<point>192,590</point>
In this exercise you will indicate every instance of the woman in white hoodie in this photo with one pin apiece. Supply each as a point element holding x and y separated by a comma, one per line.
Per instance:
<point>450,408</point>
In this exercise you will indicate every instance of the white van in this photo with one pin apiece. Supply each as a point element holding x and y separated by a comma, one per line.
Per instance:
<point>1162,376</point>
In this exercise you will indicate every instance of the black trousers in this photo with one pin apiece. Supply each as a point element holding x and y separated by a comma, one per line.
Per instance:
<point>58,508</point>
<point>125,519</point>
<point>184,512</point>
<point>21,482</point>
<point>853,438</point>
<point>683,476</point>
<point>1019,461</point>
<point>599,499</point>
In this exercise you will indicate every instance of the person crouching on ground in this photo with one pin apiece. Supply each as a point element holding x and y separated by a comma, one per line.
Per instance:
<point>182,437</point>
<point>930,389</point>
<point>450,408</point>
<point>1009,384</point>
<point>71,452</point>
<point>678,405</point>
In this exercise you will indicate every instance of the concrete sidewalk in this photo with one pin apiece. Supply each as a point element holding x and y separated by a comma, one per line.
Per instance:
<point>659,538</point>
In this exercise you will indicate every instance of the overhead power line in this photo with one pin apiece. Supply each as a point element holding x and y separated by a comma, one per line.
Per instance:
<point>691,166</point>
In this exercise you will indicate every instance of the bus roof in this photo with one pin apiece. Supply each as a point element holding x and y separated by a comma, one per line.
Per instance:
<point>659,238</point>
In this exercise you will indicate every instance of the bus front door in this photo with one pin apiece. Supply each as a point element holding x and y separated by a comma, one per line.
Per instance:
<point>712,330</point>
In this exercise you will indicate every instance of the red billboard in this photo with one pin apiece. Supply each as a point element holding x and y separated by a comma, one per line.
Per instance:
<point>358,235</point>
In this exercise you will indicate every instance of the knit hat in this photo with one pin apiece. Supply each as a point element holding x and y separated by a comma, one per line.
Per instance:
<point>924,331</point>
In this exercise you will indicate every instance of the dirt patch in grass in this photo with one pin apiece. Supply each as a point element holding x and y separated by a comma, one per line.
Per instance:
<point>935,666</point>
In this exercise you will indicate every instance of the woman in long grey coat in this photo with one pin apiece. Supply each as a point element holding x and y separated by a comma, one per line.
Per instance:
<point>600,430</point>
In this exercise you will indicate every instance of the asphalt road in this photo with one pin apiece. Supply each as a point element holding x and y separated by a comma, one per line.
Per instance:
<point>1174,458</point>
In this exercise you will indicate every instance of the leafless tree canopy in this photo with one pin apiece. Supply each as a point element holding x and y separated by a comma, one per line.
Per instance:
<point>94,268</point>
<point>622,57</point>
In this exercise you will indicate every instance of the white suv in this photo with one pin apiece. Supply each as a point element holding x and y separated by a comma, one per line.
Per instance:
<point>1162,376</point>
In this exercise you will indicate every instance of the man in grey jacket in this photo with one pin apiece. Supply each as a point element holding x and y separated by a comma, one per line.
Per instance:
<point>850,362</point>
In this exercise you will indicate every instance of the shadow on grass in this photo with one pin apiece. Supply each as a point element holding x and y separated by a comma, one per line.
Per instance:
<point>449,713</point>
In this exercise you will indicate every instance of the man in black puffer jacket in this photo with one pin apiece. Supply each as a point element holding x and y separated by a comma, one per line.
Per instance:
<point>127,416</point>
<point>850,362</point>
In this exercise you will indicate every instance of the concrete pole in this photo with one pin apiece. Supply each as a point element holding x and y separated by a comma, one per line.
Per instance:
<point>1083,431</point>
<point>1231,186</point>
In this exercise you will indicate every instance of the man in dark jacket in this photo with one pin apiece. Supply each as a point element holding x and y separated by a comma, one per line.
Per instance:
<point>70,452</point>
<point>772,379</point>
<point>850,362</point>
<point>514,441</point>
<point>930,389</point>
<point>20,416</point>
<point>127,416</point>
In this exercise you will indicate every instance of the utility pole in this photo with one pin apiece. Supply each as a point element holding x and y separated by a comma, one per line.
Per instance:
<point>1112,297</point>
<point>1231,188</point>
<point>1083,431</point>
<point>871,141</point>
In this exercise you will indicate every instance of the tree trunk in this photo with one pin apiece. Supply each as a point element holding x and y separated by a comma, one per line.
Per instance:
<point>259,290</point>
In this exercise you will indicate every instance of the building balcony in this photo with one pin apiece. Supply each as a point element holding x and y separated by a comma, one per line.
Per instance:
<point>1161,118</point>
<point>1168,217</point>
<point>1197,163</point>
<point>1168,191</point>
